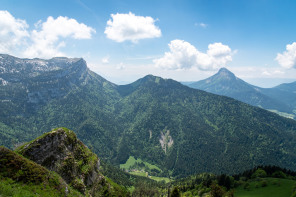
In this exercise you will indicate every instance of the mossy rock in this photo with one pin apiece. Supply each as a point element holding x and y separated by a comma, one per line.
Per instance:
<point>19,172</point>
<point>61,151</point>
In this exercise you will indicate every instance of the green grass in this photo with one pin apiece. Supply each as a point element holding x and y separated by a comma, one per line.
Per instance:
<point>156,178</point>
<point>9,187</point>
<point>131,189</point>
<point>131,161</point>
<point>20,176</point>
<point>275,188</point>
<point>140,173</point>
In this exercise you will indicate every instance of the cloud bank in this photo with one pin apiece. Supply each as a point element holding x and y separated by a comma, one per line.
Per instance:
<point>45,40</point>
<point>129,27</point>
<point>183,55</point>
<point>287,59</point>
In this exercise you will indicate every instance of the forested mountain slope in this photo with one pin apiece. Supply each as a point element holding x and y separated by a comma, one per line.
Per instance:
<point>286,93</point>
<point>181,130</point>
<point>227,84</point>
<point>200,131</point>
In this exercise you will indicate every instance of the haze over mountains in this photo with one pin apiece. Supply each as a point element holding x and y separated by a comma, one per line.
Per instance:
<point>179,129</point>
<point>281,98</point>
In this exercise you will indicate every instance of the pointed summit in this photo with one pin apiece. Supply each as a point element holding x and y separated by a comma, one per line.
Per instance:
<point>227,84</point>
<point>223,83</point>
<point>225,73</point>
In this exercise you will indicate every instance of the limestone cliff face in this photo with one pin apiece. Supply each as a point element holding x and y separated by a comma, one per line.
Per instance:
<point>32,83</point>
<point>61,151</point>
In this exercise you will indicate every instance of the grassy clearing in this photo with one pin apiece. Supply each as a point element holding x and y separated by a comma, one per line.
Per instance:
<point>275,187</point>
<point>140,172</point>
<point>131,161</point>
<point>9,187</point>
<point>150,166</point>
<point>165,179</point>
<point>144,174</point>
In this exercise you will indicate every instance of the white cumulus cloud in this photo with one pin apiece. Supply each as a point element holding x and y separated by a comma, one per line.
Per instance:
<point>46,42</point>
<point>123,27</point>
<point>287,59</point>
<point>183,55</point>
<point>12,32</point>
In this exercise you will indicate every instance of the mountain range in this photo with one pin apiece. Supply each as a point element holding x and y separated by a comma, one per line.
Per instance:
<point>280,99</point>
<point>177,128</point>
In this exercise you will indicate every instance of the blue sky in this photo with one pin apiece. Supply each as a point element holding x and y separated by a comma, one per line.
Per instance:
<point>186,40</point>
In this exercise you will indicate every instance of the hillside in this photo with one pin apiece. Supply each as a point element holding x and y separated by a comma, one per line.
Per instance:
<point>180,130</point>
<point>261,181</point>
<point>31,85</point>
<point>60,155</point>
<point>190,131</point>
<point>227,84</point>
<point>286,93</point>
<point>20,176</point>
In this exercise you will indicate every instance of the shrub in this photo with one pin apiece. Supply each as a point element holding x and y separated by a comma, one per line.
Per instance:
<point>247,186</point>
<point>279,174</point>
<point>263,184</point>
<point>259,173</point>
<point>217,191</point>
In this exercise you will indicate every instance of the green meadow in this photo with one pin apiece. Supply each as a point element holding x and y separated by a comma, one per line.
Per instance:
<point>267,187</point>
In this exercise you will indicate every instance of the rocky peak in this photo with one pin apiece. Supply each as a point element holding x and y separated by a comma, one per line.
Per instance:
<point>39,80</point>
<point>13,65</point>
<point>61,151</point>
<point>226,74</point>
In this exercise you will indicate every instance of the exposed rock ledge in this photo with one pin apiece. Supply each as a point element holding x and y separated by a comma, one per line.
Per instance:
<point>61,151</point>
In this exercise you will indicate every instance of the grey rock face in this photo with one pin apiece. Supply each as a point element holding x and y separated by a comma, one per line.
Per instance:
<point>62,152</point>
<point>37,81</point>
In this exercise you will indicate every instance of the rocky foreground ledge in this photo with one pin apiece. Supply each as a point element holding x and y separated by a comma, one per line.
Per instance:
<point>60,151</point>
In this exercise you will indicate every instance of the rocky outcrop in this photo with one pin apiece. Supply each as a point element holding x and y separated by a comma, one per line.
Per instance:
<point>166,140</point>
<point>38,81</point>
<point>25,172</point>
<point>61,151</point>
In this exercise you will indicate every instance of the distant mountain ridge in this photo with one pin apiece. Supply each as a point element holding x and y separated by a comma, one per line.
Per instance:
<point>227,84</point>
<point>181,130</point>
